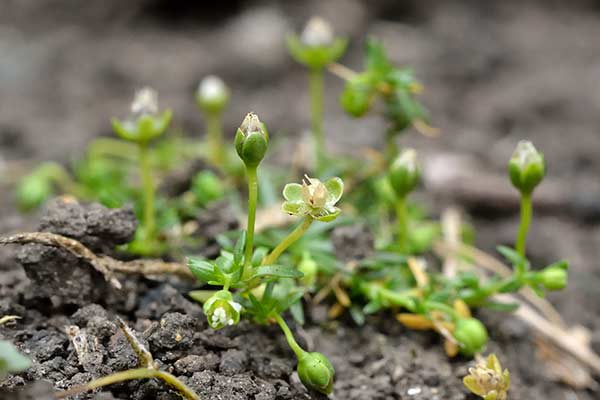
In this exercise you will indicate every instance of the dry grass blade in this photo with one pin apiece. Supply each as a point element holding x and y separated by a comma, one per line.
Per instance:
<point>106,265</point>
<point>548,326</point>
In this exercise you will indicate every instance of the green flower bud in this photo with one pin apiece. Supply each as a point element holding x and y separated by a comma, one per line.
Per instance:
<point>404,173</point>
<point>553,277</point>
<point>526,167</point>
<point>144,123</point>
<point>357,96</point>
<point>251,141</point>
<point>316,372</point>
<point>471,335</point>
<point>221,310</point>
<point>212,94</point>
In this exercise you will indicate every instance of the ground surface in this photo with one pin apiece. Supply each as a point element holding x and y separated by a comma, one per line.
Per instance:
<point>494,73</point>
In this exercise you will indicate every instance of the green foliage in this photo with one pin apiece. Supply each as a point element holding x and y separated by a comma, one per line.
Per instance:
<point>395,87</point>
<point>11,361</point>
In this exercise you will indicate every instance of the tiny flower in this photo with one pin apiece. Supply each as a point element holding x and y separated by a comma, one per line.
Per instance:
<point>317,46</point>
<point>145,101</point>
<point>221,310</point>
<point>471,335</point>
<point>404,173</point>
<point>487,379</point>
<point>316,372</point>
<point>251,140</point>
<point>526,167</point>
<point>313,198</point>
<point>145,122</point>
<point>212,94</point>
<point>317,32</point>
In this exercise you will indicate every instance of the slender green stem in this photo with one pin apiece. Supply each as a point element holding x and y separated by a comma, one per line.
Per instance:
<point>288,241</point>
<point>147,191</point>
<point>214,130</point>
<point>252,201</point>
<point>316,112</point>
<point>402,221</point>
<point>299,351</point>
<point>451,312</point>
<point>391,148</point>
<point>138,373</point>
<point>526,211</point>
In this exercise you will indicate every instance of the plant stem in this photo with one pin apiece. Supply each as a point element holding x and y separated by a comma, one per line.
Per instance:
<point>288,241</point>
<point>138,373</point>
<point>316,112</point>
<point>299,351</point>
<point>526,210</point>
<point>402,221</point>
<point>147,191</point>
<point>252,200</point>
<point>391,148</point>
<point>214,132</point>
<point>451,312</point>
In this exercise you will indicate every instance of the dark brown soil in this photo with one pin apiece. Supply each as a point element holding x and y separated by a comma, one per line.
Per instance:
<point>495,72</point>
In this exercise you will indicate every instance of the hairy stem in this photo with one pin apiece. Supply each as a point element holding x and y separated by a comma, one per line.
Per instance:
<point>288,241</point>
<point>214,130</point>
<point>138,373</point>
<point>147,191</point>
<point>402,221</point>
<point>299,351</point>
<point>526,211</point>
<point>316,112</point>
<point>252,202</point>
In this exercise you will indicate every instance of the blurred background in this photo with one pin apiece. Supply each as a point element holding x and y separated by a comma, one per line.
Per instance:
<point>494,72</point>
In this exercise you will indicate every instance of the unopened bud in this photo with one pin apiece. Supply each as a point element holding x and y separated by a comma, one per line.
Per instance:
<point>212,94</point>
<point>251,140</point>
<point>404,173</point>
<point>526,167</point>
<point>554,277</point>
<point>145,101</point>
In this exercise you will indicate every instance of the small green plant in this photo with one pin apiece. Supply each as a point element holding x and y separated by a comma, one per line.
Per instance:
<point>487,379</point>
<point>212,97</point>
<point>316,48</point>
<point>526,169</point>
<point>395,87</point>
<point>252,281</point>
<point>143,125</point>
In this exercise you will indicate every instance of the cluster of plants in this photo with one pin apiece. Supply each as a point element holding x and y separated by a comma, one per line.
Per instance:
<point>264,275</point>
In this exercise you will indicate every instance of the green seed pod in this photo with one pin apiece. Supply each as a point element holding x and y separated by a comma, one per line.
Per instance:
<point>212,94</point>
<point>316,372</point>
<point>221,310</point>
<point>471,335</point>
<point>404,174</point>
<point>526,167</point>
<point>553,277</point>
<point>251,141</point>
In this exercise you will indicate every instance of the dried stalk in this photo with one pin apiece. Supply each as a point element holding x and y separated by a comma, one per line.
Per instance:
<point>106,265</point>
<point>148,369</point>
